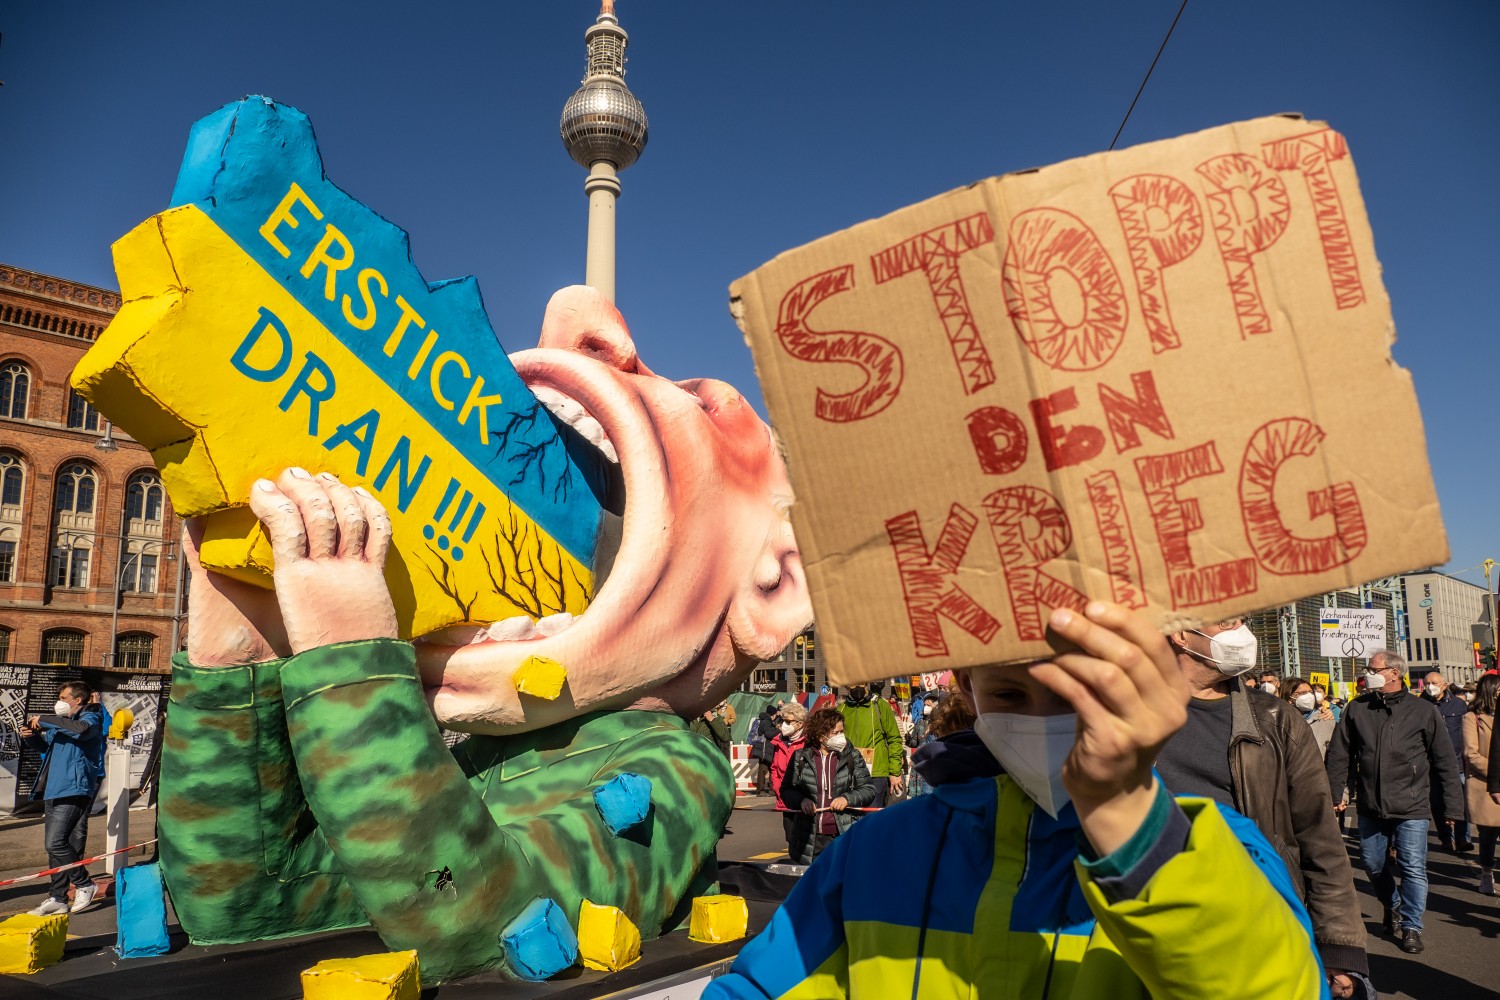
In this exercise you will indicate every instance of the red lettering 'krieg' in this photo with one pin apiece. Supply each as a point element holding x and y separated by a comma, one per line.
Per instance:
<point>1122,561</point>
<point>1276,548</point>
<point>927,580</point>
<point>1031,529</point>
<point>1176,518</point>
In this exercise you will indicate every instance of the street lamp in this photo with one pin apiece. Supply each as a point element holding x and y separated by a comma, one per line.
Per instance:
<point>1489,595</point>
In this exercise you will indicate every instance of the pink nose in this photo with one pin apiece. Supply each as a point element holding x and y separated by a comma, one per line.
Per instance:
<point>580,319</point>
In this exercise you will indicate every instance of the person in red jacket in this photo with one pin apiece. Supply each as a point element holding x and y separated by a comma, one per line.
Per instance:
<point>785,743</point>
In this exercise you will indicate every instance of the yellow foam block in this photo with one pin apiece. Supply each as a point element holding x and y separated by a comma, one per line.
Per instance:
<point>719,918</point>
<point>393,975</point>
<point>540,677</point>
<point>607,940</point>
<point>29,943</point>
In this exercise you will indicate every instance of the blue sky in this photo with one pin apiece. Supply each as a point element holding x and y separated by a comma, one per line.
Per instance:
<point>772,123</point>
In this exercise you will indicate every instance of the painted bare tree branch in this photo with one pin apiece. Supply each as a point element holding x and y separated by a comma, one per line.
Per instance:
<point>448,584</point>
<point>530,459</point>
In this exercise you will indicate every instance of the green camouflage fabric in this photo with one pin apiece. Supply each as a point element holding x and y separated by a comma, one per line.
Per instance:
<point>315,793</point>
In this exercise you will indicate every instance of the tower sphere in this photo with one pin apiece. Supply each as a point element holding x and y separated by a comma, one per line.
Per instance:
<point>603,120</point>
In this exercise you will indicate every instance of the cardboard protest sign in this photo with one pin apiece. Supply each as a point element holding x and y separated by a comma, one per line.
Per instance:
<point>271,320</point>
<point>1160,376</point>
<point>1354,632</point>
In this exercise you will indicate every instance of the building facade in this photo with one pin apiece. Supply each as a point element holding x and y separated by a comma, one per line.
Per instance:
<point>1432,619</point>
<point>1443,612</point>
<point>1288,637</point>
<point>90,564</point>
<point>799,667</point>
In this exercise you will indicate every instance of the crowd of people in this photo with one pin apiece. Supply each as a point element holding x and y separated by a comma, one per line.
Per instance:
<point>1277,758</point>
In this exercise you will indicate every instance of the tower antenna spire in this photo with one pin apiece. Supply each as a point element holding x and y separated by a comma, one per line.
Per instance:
<point>604,129</point>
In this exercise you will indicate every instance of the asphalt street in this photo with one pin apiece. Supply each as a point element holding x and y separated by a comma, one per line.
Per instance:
<point>1462,934</point>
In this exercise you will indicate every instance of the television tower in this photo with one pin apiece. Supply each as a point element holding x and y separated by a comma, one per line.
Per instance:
<point>604,127</point>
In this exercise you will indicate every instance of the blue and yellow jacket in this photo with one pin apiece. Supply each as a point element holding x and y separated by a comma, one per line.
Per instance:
<point>1009,908</point>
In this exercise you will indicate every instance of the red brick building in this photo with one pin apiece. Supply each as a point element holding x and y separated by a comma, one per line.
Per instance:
<point>88,541</point>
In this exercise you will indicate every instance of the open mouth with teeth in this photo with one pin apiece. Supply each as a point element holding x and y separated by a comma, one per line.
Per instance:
<point>593,454</point>
<point>613,439</point>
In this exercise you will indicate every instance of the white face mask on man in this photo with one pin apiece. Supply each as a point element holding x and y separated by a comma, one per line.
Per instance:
<point>1032,749</point>
<point>1232,651</point>
<point>63,708</point>
<point>1374,682</point>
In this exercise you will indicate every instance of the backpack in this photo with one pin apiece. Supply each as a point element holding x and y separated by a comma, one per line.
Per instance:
<point>756,739</point>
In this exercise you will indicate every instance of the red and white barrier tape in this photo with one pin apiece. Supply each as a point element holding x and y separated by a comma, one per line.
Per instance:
<point>76,864</point>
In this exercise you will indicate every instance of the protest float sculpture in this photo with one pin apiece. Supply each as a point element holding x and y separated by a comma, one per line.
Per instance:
<point>1159,376</point>
<point>575,582</point>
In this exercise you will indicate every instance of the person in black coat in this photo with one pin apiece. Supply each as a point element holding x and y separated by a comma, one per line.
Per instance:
<point>1392,746</point>
<point>1454,835</point>
<point>824,780</point>
<point>762,731</point>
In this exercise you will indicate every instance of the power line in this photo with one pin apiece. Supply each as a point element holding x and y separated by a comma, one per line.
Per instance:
<point>1148,75</point>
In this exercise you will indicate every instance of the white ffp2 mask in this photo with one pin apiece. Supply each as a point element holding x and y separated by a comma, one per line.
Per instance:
<point>62,708</point>
<point>1032,749</point>
<point>1233,652</point>
<point>1374,682</point>
<point>837,743</point>
<point>1306,702</point>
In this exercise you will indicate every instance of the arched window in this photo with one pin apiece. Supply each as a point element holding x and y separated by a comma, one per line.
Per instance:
<point>4,644</point>
<point>81,413</point>
<point>143,497</point>
<point>15,386</point>
<point>12,481</point>
<point>63,646</point>
<point>12,490</point>
<point>133,651</point>
<point>75,489</point>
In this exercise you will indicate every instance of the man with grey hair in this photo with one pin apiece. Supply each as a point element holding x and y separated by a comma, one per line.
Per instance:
<point>1392,747</point>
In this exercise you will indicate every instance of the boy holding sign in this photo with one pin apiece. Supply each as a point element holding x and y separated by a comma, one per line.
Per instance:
<point>1126,378</point>
<point>1047,827</point>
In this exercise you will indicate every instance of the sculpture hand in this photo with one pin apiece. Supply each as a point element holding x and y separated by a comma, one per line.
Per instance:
<point>330,544</point>
<point>229,623</point>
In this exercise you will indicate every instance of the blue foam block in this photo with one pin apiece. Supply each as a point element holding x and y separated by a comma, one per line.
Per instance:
<point>540,942</point>
<point>141,912</point>
<point>623,801</point>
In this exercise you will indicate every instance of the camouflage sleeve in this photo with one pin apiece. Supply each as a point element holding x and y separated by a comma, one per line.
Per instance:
<point>240,853</point>
<point>442,860</point>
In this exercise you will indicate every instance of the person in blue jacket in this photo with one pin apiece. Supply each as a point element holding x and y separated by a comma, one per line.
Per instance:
<point>73,740</point>
<point>1056,865</point>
